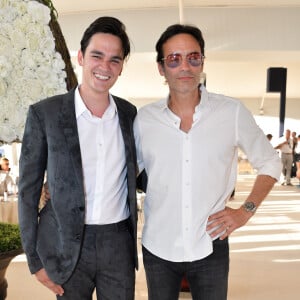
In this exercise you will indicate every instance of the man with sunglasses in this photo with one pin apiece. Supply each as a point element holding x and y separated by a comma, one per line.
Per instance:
<point>188,145</point>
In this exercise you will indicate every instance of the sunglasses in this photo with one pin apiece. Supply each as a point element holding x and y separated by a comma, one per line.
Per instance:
<point>174,60</point>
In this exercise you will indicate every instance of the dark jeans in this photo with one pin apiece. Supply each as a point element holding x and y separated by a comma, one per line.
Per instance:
<point>207,278</point>
<point>106,263</point>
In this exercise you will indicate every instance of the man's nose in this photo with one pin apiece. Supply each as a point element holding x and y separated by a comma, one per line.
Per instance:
<point>185,64</point>
<point>105,64</point>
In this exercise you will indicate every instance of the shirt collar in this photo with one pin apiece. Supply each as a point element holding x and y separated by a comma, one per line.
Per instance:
<point>81,108</point>
<point>204,100</point>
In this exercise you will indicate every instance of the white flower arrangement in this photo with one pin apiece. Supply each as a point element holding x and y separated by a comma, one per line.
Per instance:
<point>30,67</point>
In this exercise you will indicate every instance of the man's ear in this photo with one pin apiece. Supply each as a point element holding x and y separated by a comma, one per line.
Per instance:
<point>161,68</point>
<point>80,57</point>
<point>121,72</point>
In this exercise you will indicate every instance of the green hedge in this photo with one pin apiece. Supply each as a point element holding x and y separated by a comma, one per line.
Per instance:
<point>9,237</point>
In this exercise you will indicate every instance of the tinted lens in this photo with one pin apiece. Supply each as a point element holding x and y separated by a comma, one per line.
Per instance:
<point>195,59</point>
<point>173,60</point>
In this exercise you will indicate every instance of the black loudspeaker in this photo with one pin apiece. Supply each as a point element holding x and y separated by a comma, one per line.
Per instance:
<point>276,82</point>
<point>276,79</point>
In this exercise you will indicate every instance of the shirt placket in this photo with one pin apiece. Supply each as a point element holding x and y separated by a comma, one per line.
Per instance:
<point>186,192</point>
<point>99,184</point>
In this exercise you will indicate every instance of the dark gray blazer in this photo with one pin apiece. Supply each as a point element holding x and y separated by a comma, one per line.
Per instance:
<point>52,237</point>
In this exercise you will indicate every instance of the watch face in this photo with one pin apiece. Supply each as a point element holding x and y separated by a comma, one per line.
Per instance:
<point>250,206</point>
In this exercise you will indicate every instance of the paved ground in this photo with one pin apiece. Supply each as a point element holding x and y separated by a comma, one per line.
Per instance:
<point>265,254</point>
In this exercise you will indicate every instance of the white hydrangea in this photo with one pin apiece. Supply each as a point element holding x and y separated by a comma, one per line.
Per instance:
<point>30,68</point>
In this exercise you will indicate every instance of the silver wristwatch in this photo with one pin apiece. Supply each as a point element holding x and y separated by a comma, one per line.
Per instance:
<point>249,206</point>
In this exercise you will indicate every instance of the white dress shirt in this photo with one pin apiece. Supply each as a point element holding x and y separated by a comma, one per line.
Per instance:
<point>104,164</point>
<point>192,175</point>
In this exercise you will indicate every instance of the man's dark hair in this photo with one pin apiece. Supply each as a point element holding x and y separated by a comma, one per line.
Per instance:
<point>108,25</point>
<point>178,29</point>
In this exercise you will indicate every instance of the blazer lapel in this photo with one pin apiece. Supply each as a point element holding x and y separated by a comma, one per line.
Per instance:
<point>127,131</point>
<point>69,126</point>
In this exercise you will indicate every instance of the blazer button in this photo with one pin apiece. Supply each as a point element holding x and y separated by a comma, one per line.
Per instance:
<point>78,237</point>
<point>81,208</point>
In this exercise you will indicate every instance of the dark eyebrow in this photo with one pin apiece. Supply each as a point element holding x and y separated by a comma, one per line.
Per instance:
<point>102,54</point>
<point>97,52</point>
<point>117,57</point>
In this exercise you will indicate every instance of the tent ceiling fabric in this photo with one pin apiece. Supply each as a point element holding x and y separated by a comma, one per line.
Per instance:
<point>77,6</point>
<point>239,46</point>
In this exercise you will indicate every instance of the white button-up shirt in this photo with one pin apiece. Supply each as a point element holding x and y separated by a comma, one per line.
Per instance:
<point>104,164</point>
<point>192,175</point>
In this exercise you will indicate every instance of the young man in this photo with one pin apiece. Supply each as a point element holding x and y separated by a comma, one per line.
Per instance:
<point>188,145</point>
<point>286,148</point>
<point>85,236</point>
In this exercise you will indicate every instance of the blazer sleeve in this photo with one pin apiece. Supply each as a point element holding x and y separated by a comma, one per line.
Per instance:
<point>33,160</point>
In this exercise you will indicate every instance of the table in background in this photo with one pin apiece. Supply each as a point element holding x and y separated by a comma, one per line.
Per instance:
<point>9,210</point>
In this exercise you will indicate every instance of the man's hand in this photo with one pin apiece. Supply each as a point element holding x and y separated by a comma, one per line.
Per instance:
<point>226,221</point>
<point>46,192</point>
<point>42,277</point>
<point>45,195</point>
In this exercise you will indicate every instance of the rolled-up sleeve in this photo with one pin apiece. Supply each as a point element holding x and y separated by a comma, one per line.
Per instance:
<point>252,140</point>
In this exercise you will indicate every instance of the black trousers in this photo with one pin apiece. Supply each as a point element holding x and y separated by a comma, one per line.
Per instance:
<point>207,278</point>
<point>106,264</point>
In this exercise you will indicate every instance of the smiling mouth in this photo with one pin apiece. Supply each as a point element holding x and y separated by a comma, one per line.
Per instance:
<point>101,77</point>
